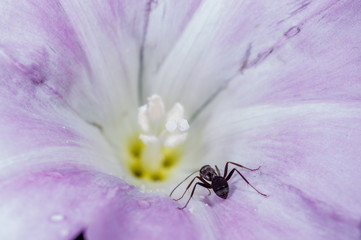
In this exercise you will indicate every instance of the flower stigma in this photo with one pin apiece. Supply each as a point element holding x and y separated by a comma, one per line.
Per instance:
<point>156,149</point>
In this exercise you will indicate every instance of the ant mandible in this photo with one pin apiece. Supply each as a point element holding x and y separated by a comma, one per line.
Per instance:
<point>218,183</point>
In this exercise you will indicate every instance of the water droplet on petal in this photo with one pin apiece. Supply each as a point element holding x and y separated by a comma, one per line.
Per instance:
<point>64,232</point>
<point>143,204</point>
<point>57,217</point>
<point>191,209</point>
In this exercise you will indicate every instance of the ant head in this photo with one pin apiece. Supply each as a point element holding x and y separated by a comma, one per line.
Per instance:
<point>207,172</point>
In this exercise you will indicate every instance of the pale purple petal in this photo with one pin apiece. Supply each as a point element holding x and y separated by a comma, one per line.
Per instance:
<point>296,114</point>
<point>85,54</point>
<point>62,202</point>
<point>37,126</point>
<point>143,216</point>
<point>110,34</point>
<point>211,43</point>
<point>316,58</point>
<point>309,167</point>
<point>59,67</point>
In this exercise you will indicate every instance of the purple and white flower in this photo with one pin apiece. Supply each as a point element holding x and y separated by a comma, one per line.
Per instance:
<point>105,106</point>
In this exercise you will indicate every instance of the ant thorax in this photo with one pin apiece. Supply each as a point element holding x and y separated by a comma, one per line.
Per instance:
<point>208,173</point>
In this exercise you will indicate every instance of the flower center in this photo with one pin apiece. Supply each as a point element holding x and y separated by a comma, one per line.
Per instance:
<point>157,147</point>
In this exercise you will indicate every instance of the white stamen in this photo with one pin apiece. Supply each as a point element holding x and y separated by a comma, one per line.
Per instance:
<point>148,139</point>
<point>171,126</point>
<point>176,113</point>
<point>160,128</point>
<point>155,108</point>
<point>143,119</point>
<point>183,125</point>
<point>174,140</point>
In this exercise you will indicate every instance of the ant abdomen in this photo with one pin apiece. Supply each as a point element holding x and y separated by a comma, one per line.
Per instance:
<point>220,186</point>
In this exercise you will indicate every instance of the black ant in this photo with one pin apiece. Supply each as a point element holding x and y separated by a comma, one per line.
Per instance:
<point>218,183</point>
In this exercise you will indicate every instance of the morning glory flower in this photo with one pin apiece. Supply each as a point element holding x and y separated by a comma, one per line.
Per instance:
<point>105,106</point>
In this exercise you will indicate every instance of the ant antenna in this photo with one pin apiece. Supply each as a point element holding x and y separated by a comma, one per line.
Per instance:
<point>183,182</point>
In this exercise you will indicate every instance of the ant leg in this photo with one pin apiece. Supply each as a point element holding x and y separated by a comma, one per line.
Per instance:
<point>189,186</point>
<point>218,172</point>
<point>239,165</point>
<point>182,182</point>
<point>194,188</point>
<point>231,173</point>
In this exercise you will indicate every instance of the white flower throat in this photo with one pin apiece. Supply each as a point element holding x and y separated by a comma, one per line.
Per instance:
<point>158,148</point>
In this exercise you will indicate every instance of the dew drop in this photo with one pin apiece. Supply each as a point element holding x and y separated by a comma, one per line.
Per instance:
<point>191,209</point>
<point>57,217</point>
<point>64,232</point>
<point>143,204</point>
